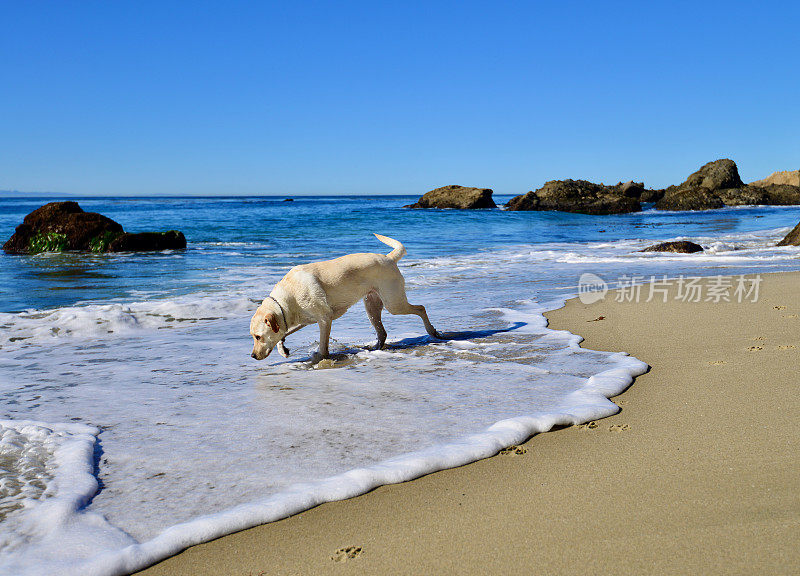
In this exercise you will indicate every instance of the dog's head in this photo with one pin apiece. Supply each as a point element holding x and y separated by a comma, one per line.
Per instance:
<point>266,330</point>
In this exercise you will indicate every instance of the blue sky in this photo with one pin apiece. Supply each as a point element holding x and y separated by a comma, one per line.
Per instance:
<point>378,98</point>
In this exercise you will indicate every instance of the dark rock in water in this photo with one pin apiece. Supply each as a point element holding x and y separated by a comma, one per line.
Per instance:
<point>148,241</point>
<point>60,226</point>
<point>715,175</point>
<point>630,189</point>
<point>580,196</point>
<point>677,198</point>
<point>792,238</point>
<point>702,189</point>
<point>780,194</point>
<point>718,184</point>
<point>652,195</point>
<point>681,246</point>
<point>459,197</point>
<point>288,199</point>
<point>744,196</point>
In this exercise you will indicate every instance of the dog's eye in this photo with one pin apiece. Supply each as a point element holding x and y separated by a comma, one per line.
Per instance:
<point>258,337</point>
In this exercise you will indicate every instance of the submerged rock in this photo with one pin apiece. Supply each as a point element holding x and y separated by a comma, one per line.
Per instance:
<point>792,238</point>
<point>581,196</point>
<point>61,226</point>
<point>680,246</point>
<point>459,197</point>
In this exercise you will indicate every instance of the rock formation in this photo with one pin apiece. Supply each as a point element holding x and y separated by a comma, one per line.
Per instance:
<point>61,226</point>
<point>680,246</point>
<point>581,196</point>
<point>790,177</point>
<point>792,238</point>
<point>718,184</point>
<point>459,197</point>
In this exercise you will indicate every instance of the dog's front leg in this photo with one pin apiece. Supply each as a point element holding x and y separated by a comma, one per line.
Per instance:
<point>284,351</point>
<point>324,337</point>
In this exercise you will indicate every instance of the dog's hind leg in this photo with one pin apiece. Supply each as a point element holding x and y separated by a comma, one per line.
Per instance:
<point>396,302</point>
<point>374,305</point>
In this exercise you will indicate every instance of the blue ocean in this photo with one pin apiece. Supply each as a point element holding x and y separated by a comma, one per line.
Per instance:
<point>134,422</point>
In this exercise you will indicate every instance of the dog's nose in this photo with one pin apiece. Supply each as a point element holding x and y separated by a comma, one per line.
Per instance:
<point>253,355</point>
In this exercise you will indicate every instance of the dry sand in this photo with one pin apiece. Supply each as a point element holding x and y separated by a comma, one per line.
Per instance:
<point>698,474</point>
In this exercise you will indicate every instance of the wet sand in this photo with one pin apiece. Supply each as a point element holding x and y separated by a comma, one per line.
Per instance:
<point>698,473</point>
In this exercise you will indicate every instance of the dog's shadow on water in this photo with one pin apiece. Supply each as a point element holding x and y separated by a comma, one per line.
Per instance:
<point>346,356</point>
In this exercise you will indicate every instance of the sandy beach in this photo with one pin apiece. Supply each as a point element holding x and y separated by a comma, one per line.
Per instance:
<point>698,473</point>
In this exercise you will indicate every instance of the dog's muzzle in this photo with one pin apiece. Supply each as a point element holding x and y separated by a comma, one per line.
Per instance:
<point>255,356</point>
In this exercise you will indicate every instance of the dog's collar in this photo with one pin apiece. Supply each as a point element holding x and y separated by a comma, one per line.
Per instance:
<point>285,323</point>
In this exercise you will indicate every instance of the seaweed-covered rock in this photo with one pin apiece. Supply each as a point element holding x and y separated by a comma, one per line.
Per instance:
<point>459,197</point>
<point>580,196</point>
<point>61,226</point>
<point>680,246</point>
<point>792,238</point>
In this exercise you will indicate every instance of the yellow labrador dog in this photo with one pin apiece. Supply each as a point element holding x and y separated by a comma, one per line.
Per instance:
<point>320,292</point>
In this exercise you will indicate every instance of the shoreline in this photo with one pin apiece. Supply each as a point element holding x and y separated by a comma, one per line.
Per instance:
<point>567,497</point>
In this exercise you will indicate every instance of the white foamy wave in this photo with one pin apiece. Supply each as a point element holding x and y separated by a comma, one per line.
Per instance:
<point>46,480</point>
<point>113,320</point>
<point>110,555</point>
<point>741,247</point>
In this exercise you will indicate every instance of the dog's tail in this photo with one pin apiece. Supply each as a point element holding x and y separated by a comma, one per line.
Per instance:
<point>399,250</point>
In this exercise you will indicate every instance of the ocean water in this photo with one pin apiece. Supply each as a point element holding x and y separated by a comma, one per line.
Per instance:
<point>134,423</point>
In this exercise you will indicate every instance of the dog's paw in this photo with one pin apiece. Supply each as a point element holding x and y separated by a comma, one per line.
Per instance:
<point>283,350</point>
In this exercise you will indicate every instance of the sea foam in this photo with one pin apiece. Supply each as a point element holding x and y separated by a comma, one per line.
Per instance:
<point>59,535</point>
<point>47,527</point>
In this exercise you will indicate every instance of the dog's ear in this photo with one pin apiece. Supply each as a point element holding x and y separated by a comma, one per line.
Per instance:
<point>272,320</point>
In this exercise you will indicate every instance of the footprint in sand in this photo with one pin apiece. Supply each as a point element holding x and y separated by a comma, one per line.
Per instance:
<point>588,426</point>
<point>718,362</point>
<point>788,315</point>
<point>755,348</point>
<point>779,307</point>
<point>787,347</point>
<point>347,553</point>
<point>619,427</point>
<point>514,450</point>
<point>760,338</point>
